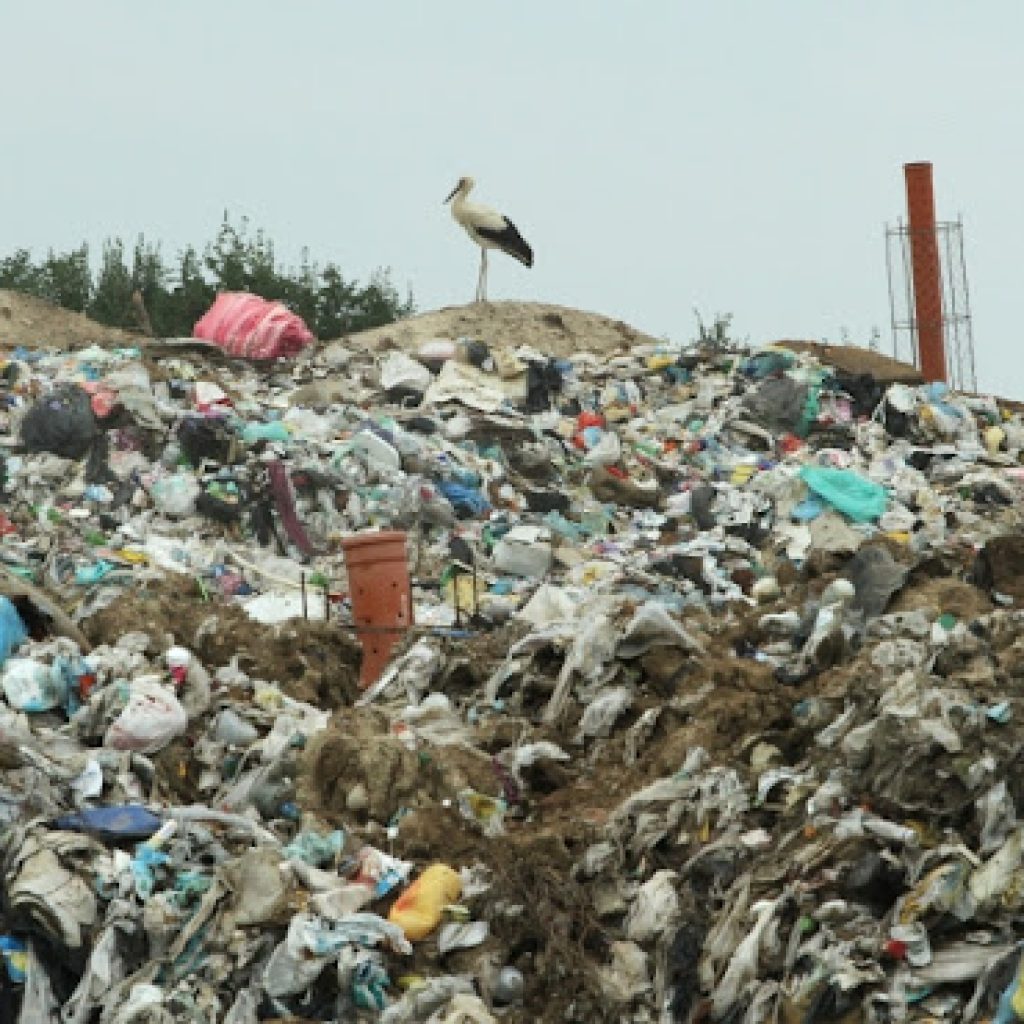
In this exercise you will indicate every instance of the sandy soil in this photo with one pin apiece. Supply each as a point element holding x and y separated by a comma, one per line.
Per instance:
<point>555,330</point>
<point>35,323</point>
<point>883,368</point>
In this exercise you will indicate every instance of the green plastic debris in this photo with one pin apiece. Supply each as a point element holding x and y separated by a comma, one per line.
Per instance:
<point>854,495</point>
<point>811,410</point>
<point>273,431</point>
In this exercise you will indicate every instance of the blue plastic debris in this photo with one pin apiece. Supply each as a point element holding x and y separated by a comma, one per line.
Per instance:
<point>129,821</point>
<point>316,849</point>
<point>12,629</point>
<point>15,954</point>
<point>466,501</point>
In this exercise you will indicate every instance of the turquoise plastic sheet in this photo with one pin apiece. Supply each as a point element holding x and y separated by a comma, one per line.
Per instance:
<point>860,499</point>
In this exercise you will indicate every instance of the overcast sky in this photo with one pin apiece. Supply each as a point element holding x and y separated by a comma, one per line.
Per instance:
<point>739,157</point>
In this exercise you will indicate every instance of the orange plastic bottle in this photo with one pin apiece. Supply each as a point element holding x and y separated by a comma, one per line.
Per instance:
<point>418,910</point>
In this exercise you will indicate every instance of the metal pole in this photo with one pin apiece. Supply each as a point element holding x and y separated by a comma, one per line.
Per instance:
<point>924,253</point>
<point>908,295</point>
<point>892,294</point>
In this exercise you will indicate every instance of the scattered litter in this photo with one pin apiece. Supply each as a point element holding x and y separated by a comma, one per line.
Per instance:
<point>447,679</point>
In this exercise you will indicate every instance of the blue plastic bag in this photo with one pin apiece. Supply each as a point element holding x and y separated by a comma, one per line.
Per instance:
<point>854,495</point>
<point>15,956</point>
<point>129,821</point>
<point>465,500</point>
<point>808,509</point>
<point>12,630</point>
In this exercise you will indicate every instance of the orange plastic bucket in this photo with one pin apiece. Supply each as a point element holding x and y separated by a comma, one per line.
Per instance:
<point>378,583</point>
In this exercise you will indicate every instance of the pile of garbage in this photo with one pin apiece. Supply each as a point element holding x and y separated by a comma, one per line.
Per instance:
<point>706,706</point>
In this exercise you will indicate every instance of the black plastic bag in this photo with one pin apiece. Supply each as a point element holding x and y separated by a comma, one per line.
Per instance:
<point>62,423</point>
<point>204,439</point>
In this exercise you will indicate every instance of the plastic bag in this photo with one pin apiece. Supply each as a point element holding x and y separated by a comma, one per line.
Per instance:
<point>628,974</point>
<point>313,848</point>
<point>654,909</point>
<point>311,944</point>
<point>61,423</point>
<point>603,712</point>
<point>606,451</point>
<point>778,403</point>
<point>12,630</point>
<point>401,371</point>
<point>175,496</point>
<point>744,963</point>
<point>524,551</point>
<point>429,997</point>
<point>29,685</point>
<point>253,328</point>
<point>1011,1003</point>
<point>152,718</point>
<point>202,438</point>
<point>468,502</point>
<point>854,495</point>
<point>467,1009</point>
<point>38,1004</point>
<point>652,626</point>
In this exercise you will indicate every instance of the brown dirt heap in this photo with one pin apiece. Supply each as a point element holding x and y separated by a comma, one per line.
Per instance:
<point>36,323</point>
<point>553,330</point>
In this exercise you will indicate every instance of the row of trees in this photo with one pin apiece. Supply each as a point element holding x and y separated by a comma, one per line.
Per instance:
<point>177,292</point>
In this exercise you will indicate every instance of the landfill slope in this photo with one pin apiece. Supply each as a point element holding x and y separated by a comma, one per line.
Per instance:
<point>854,359</point>
<point>31,322</point>
<point>710,709</point>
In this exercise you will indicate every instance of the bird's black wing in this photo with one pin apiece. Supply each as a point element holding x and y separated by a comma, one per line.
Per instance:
<point>509,240</point>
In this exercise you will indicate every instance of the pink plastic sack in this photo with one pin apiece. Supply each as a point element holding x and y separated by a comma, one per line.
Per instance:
<point>253,328</point>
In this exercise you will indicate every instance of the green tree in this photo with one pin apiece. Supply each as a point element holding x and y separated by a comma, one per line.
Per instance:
<point>20,274</point>
<point>176,295</point>
<point>190,296</point>
<point>111,302</point>
<point>68,278</point>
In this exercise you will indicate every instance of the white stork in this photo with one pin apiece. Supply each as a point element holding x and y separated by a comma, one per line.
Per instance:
<point>489,229</point>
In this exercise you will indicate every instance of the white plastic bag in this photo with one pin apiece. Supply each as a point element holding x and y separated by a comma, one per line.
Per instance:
<point>603,712</point>
<point>38,1004</point>
<point>175,496</point>
<point>29,685</point>
<point>654,909</point>
<point>151,719</point>
<point>524,551</point>
<point>606,452</point>
<point>398,370</point>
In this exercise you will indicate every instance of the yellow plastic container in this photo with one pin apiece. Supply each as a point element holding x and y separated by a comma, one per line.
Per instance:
<point>418,910</point>
<point>994,437</point>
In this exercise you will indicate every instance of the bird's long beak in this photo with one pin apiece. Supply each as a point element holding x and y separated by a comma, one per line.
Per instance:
<point>451,195</point>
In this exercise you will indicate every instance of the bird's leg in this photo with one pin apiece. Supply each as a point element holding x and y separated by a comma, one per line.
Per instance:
<point>483,294</point>
<point>480,275</point>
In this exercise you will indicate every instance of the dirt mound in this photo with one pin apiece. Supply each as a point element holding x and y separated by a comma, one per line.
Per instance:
<point>554,330</point>
<point>851,359</point>
<point>355,768</point>
<point>36,323</point>
<point>314,661</point>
